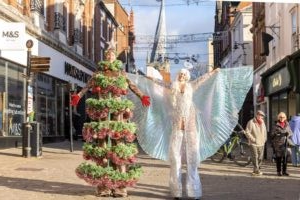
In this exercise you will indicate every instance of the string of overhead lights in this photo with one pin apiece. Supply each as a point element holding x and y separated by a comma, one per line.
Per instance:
<point>188,2</point>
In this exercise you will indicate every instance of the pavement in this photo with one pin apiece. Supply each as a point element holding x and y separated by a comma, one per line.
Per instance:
<point>52,177</point>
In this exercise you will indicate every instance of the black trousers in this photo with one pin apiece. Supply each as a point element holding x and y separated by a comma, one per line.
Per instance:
<point>281,163</point>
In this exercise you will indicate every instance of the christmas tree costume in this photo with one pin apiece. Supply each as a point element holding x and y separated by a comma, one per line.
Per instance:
<point>109,136</point>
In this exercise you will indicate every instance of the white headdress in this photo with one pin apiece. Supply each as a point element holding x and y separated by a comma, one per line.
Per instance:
<point>111,44</point>
<point>186,72</point>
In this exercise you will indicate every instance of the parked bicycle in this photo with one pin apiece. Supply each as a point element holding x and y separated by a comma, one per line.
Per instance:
<point>236,148</point>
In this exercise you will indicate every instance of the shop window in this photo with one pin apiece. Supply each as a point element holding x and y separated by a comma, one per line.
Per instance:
<point>274,109</point>
<point>283,103</point>
<point>292,104</point>
<point>11,99</point>
<point>278,103</point>
<point>46,108</point>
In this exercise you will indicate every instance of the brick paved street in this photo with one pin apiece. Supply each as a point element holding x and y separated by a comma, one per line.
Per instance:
<point>53,177</point>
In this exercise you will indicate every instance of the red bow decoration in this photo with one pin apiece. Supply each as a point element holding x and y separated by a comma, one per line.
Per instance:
<point>145,101</point>
<point>74,99</point>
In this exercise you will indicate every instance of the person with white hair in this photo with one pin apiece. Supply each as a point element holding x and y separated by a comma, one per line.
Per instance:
<point>190,120</point>
<point>184,137</point>
<point>281,131</point>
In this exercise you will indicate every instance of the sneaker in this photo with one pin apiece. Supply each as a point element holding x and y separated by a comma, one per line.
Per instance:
<point>257,173</point>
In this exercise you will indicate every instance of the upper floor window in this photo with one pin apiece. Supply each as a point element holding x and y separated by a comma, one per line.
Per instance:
<point>294,29</point>
<point>294,22</point>
<point>109,30</point>
<point>102,23</point>
<point>38,6</point>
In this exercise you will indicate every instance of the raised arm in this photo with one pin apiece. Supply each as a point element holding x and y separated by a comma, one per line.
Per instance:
<point>76,97</point>
<point>197,82</point>
<point>159,82</point>
<point>145,99</point>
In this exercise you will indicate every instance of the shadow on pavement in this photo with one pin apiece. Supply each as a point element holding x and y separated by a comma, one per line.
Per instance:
<point>149,195</point>
<point>152,187</point>
<point>155,165</point>
<point>66,153</point>
<point>10,154</point>
<point>216,187</point>
<point>46,186</point>
<point>77,145</point>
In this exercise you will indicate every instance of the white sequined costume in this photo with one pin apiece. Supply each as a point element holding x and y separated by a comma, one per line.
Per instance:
<point>210,112</point>
<point>184,144</point>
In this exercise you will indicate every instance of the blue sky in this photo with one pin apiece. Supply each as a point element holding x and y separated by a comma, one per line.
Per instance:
<point>180,18</point>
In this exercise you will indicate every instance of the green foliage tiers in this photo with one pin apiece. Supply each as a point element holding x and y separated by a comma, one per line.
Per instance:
<point>109,135</point>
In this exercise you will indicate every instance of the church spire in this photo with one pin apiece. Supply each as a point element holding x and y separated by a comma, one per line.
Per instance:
<point>159,45</point>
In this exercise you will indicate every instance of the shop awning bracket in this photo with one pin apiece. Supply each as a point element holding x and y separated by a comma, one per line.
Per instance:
<point>273,27</point>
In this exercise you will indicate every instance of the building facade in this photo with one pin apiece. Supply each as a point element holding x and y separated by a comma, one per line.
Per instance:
<point>281,77</point>
<point>241,37</point>
<point>233,43</point>
<point>259,59</point>
<point>74,34</point>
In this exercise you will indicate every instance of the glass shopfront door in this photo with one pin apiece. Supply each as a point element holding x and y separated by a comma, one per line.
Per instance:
<point>49,101</point>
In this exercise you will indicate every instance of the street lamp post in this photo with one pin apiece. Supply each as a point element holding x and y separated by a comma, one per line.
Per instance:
<point>27,125</point>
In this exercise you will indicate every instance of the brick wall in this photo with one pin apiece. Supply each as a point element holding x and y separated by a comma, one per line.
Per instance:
<point>258,26</point>
<point>90,23</point>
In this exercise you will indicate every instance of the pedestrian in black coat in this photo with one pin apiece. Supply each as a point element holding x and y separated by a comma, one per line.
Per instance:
<point>280,132</point>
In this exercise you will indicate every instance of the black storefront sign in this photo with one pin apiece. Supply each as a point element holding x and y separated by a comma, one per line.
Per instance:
<point>76,73</point>
<point>278,81</point>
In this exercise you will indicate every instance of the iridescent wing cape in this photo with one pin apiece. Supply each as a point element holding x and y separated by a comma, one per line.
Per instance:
<point>217,102</point>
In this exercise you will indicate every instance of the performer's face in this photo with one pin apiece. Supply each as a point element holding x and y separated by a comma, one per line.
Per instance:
<point>182,77</point>
<point>110,56</point>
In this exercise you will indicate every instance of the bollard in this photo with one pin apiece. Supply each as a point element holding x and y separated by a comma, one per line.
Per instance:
<point>26,148</point>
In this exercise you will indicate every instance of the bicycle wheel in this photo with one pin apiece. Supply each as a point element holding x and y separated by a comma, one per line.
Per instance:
<point>241,154</point>
<point>218,156</point>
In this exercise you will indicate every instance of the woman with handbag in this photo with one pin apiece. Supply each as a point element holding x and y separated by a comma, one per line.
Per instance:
<point>279,135</point>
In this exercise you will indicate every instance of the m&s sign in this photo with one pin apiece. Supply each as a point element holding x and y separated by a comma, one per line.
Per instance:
<point>12,36</point>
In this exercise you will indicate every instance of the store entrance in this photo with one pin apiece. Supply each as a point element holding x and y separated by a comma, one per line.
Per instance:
<point>78,118</point>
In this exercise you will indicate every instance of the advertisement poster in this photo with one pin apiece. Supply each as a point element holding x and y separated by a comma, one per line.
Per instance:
<point>15,115</point>
<point>30,100</point>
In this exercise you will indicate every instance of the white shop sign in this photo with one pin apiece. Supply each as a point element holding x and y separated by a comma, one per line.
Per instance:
<point>12,36</point>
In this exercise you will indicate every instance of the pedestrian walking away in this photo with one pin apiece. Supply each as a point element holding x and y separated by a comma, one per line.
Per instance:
<point>256,133</point>
<point>200,116</point>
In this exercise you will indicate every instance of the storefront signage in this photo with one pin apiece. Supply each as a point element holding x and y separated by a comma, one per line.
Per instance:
<point>12,36</point>
<point>278,80</point>
<point>76,73</point>
<point>15,115</point>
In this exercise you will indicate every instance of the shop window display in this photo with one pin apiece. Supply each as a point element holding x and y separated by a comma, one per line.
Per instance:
<point>11,98</point>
